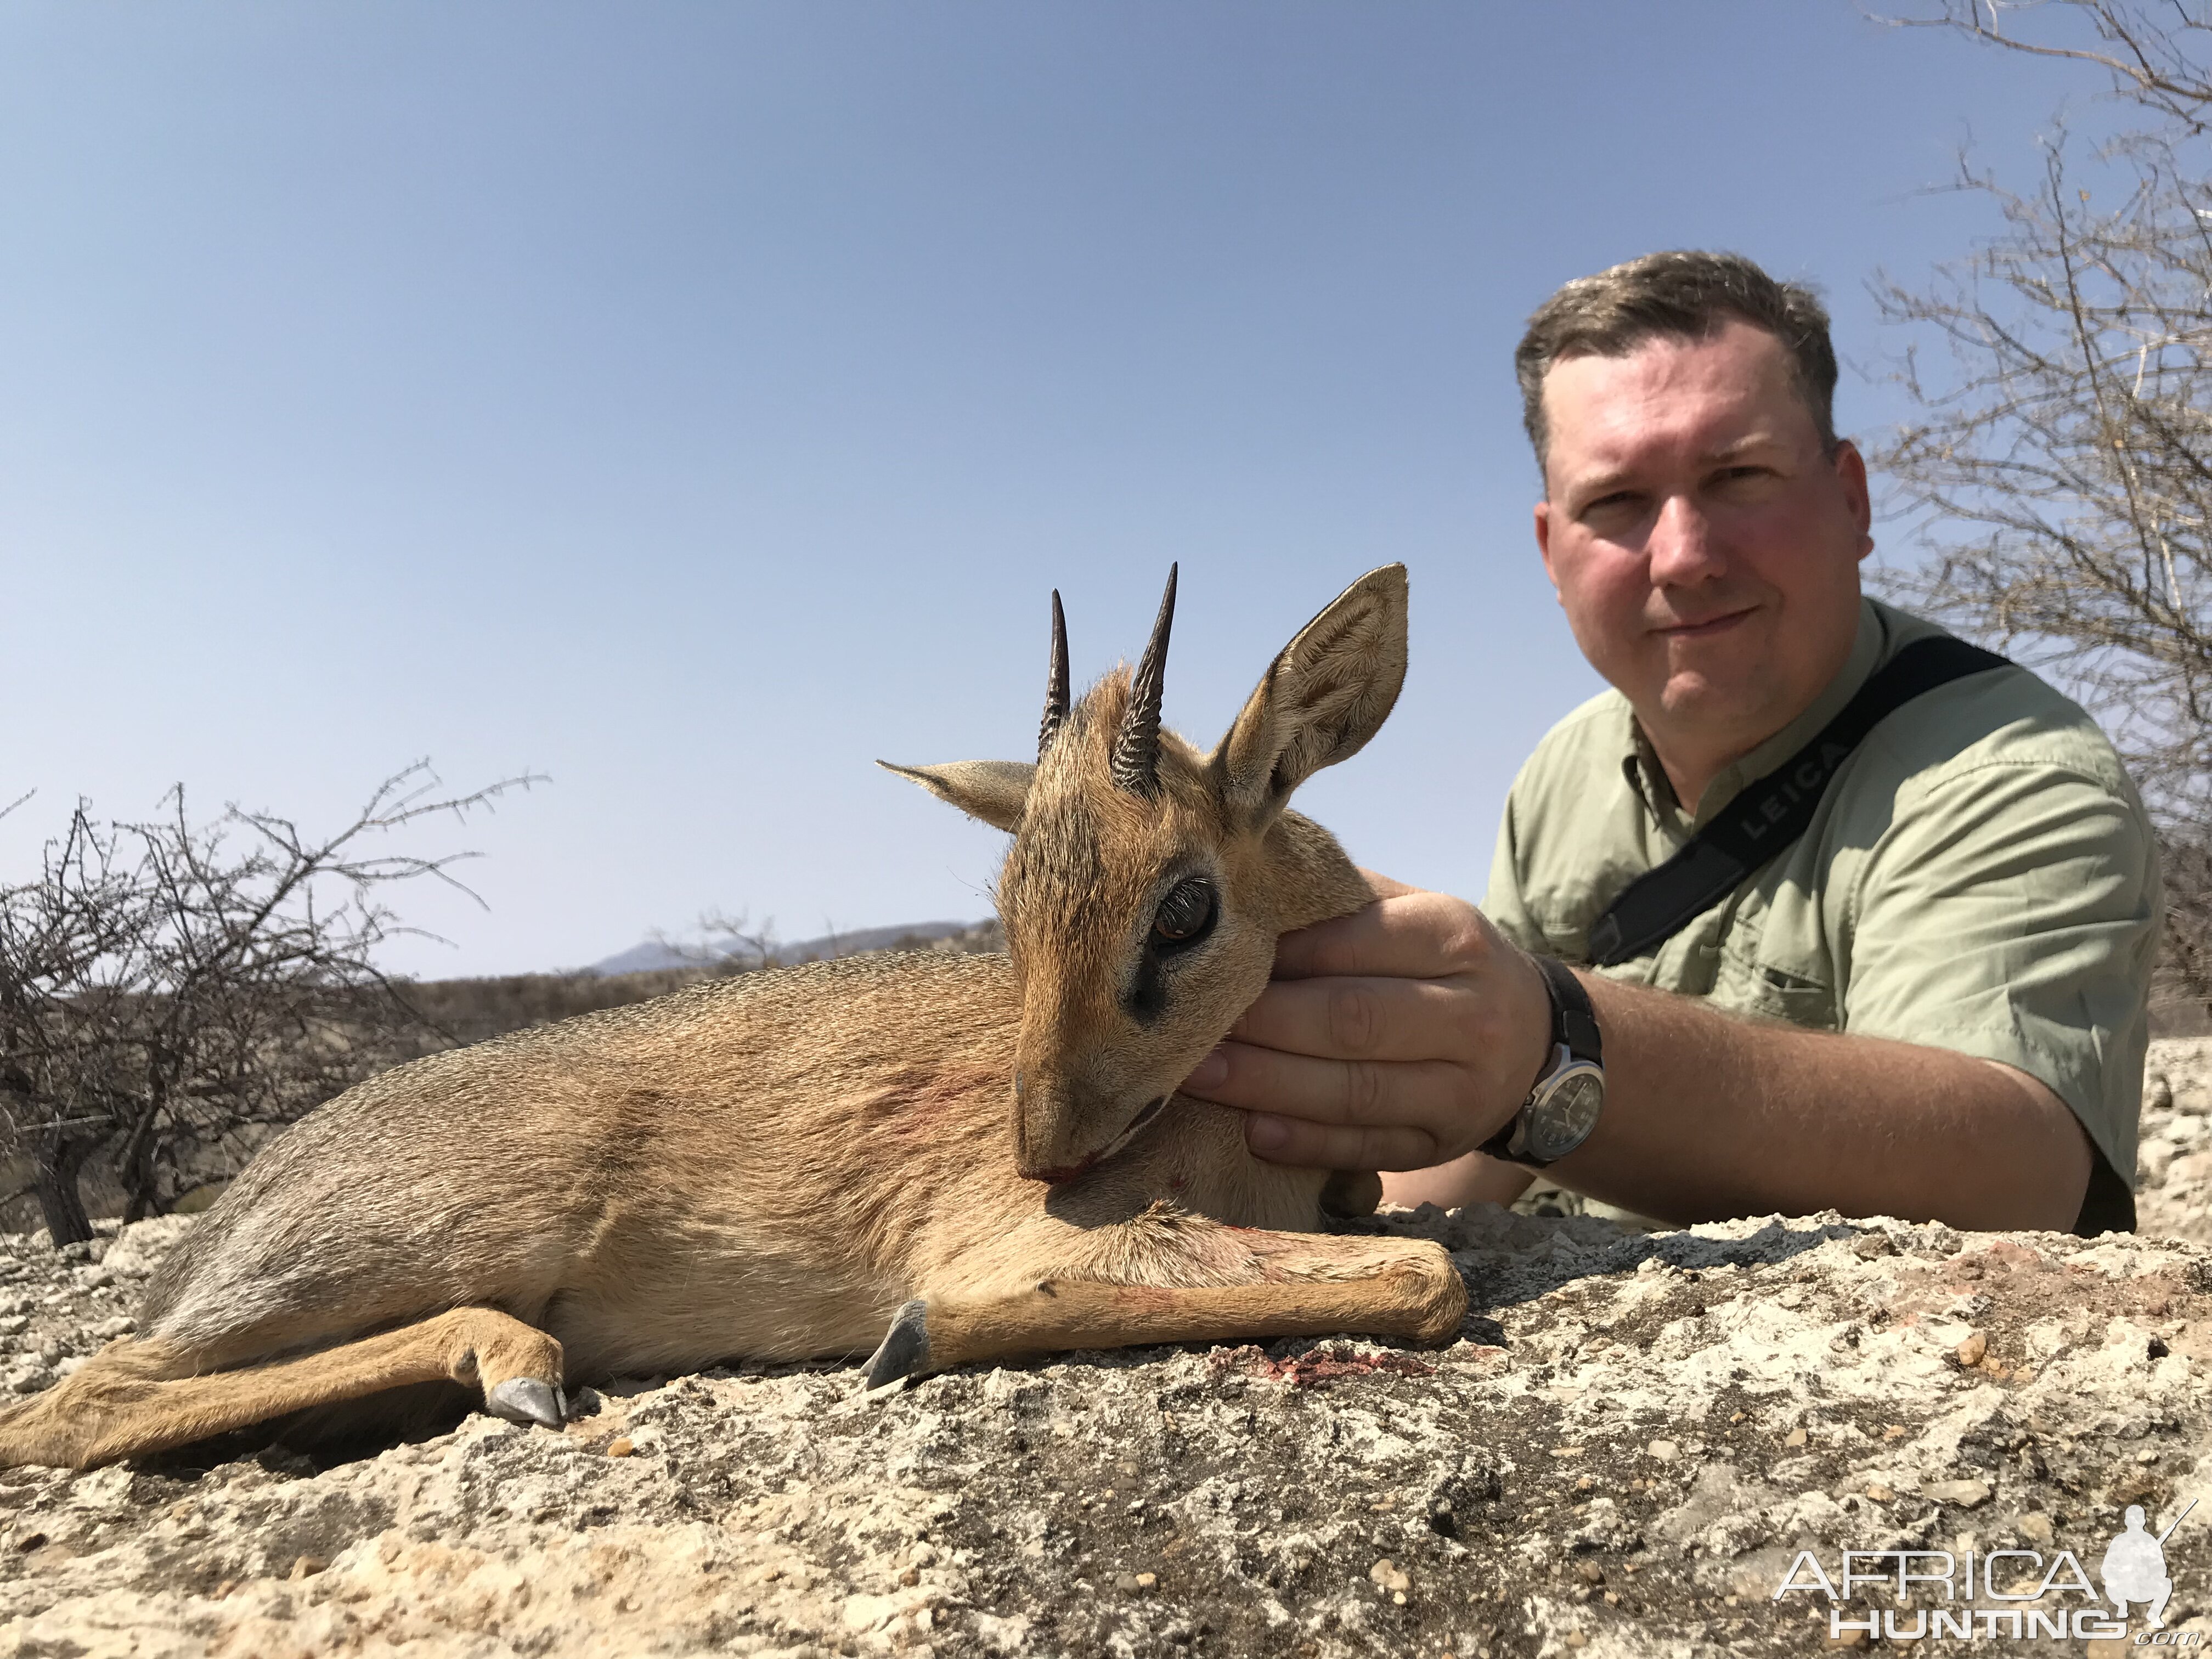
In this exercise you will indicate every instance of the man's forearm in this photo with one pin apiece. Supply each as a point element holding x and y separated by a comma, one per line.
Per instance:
<point>1405,1035</point>
<point>1710,1115</point>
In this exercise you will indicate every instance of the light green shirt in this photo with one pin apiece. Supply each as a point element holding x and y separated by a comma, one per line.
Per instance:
<point>1980,877</point>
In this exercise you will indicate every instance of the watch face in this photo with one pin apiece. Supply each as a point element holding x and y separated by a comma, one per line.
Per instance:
<point>1562,1120</point>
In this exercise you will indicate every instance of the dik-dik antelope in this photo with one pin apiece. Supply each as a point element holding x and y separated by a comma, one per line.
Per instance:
<point>781,1165</point>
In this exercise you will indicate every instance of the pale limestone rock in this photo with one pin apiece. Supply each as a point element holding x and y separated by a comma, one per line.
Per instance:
<point>1181,1501</point>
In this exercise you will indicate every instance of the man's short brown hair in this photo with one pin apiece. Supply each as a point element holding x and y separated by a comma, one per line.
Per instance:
<point>1684,294</point>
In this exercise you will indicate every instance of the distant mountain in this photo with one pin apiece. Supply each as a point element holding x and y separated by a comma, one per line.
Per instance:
<point>651,956</point>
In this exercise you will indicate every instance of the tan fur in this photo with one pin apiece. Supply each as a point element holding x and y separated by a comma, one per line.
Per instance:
<point>770,1166</point>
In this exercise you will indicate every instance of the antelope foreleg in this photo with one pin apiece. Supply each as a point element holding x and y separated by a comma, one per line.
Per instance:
<point>1312,1287</point>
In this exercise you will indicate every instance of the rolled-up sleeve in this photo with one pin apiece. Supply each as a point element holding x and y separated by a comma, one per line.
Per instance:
<point>2011,911</point>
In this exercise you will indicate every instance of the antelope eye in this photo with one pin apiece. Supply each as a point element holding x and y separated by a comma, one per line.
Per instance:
<point>1186,915</point>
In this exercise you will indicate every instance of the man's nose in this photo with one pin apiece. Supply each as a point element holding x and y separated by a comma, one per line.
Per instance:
<point>1682,548</point>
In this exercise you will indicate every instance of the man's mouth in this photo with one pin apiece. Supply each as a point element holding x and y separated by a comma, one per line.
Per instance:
<point>1707,628</point>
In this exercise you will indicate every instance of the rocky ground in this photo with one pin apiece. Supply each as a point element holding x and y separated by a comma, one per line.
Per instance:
<point>1625,1453</point>
<point>2175,1175</point>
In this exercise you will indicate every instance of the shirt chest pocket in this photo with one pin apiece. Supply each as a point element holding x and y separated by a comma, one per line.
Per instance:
<point>1778,994</point>
<point>1763,975</point>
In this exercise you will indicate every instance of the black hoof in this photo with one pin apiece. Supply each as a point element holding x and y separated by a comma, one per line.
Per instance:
<point>527,1400</point>
<point>905,1349</point>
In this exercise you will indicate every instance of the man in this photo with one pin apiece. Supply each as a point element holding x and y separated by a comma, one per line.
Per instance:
<point>1931,1004</point>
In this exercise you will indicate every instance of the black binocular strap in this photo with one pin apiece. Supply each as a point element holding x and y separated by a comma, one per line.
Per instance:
<point>1767,816</point>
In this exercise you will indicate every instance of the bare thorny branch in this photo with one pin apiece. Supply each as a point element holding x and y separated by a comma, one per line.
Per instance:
<point>169,991</point>
<point>2061,470</point>
<point>2147,50</point>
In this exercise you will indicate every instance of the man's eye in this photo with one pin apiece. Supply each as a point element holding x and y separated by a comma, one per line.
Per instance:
<point>1186,915</point>
<point>1620,504</point>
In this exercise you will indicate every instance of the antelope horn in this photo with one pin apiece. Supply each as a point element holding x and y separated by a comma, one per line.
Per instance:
<point>1137,746</point>
<point>1055,687</point>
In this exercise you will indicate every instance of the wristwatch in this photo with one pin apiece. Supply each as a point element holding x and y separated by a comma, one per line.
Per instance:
<point>1562,1109</point>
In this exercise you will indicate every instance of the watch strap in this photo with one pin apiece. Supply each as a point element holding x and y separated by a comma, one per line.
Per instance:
<point>1574,1027</point>
<point>1574,1022</point>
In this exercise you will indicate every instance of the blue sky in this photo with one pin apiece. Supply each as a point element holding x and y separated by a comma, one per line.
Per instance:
<point>695,402</point>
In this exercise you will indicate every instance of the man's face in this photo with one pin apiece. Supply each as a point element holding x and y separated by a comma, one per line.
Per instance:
<point>1705,551</point>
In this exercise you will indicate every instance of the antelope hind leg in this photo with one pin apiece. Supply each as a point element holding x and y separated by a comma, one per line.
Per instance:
<point>1304,1286</point>
<point>135,1398</point>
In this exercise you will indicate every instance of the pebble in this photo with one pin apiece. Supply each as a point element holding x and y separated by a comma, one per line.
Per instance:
<point>1665,1451</point>
<point>1972,1351</point>
<point>1390,1576</point>
<point>1966,1494</point>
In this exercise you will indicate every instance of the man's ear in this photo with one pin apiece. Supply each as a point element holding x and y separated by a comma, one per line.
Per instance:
<point>1544,543</point>
<point>993,791</point>
<point>1321,700</point>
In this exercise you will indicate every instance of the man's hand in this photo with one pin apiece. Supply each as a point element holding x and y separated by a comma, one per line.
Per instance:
<point>1400,1037</point>
<point>1406,1035</point>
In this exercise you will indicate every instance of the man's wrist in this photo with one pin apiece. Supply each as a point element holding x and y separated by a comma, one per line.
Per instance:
<point>1560,1108</point>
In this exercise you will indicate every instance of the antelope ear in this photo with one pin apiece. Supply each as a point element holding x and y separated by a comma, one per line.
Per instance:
<point>1321,700</point>
<point>993,791</point>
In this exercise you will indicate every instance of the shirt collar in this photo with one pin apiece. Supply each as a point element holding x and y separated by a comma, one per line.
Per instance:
<point>1647,778</point>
